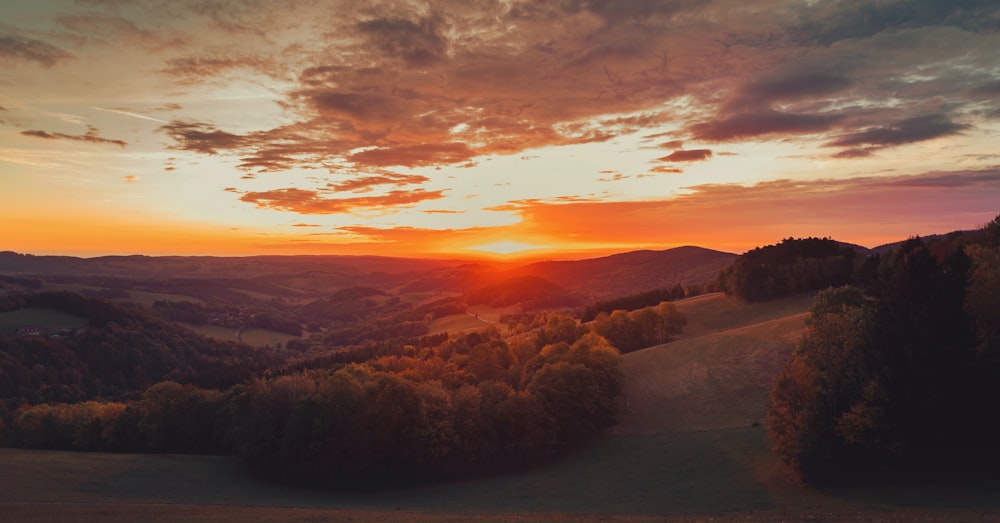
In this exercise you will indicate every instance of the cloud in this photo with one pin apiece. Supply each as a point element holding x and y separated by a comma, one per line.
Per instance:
<point>665,169</point>
<point>194,69</point>
<point>419,43</point>
<point>366,183</point>
<point>312,202</point>
<point>762,123</point>
<point>690,155</point>
<point>415,155</point>
<point>90,136</point>
<point>29,49</point>
<point>838,21</point>
<point>866,210</point>
<point>795,85</point>
<point>130,178</point>
<point>910,130</point>
<point>201,137</point>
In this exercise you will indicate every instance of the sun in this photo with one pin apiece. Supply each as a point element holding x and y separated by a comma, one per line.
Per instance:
<point>507,247</point>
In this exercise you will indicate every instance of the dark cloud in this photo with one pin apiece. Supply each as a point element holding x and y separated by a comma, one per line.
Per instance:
<point>835,21</point>
<point>690,155</point>
<point>794,86</point>
<point>906,131</point>
<point>762,123</point>
<point>312,202</point>
<point>983,178</point>
<point>362,107</point>
<point>201,137</point>
<point>672,144</point>
<point>989,89</point>
<point>636,11</point>
<point>91,136</point>
<point>21,48</point>
<point>418,43</point>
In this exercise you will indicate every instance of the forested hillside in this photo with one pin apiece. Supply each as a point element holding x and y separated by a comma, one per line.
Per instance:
<point>899,374</point>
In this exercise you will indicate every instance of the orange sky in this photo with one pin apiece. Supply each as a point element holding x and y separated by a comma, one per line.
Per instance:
<point>541,128</point>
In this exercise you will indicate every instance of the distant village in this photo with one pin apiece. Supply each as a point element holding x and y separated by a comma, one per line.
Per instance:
<point>34,330</point>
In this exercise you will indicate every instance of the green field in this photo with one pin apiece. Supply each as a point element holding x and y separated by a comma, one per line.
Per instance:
<point>47,318</point>
<point>683,451</point>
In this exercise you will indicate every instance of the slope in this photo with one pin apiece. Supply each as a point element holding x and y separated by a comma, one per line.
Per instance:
<point>719,374</point>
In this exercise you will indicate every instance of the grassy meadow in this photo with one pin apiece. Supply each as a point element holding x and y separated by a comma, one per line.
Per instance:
<point>684,450</point>
<point>39,317</point>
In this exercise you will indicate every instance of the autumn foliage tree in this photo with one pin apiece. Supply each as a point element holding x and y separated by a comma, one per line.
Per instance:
<point>638,329</point>
<point>467,405</point>
<point>793,265</point>
<point>900,379</point>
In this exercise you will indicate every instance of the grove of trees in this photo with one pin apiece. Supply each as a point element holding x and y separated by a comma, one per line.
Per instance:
<point>794,265</point>
<point>902,376</point>
<point>378,413</point>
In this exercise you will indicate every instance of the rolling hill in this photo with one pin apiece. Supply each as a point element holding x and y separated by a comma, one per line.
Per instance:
<point>631,272</point>
<point>684,450</point>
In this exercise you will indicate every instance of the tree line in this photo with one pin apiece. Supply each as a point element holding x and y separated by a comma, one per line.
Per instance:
<point>899,374</point>
<point>793,265</point>
<point>379,413</point>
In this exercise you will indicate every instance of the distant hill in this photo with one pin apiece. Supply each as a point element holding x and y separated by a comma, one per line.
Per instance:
<point>214,266</point>
<point>610,276</point>
<point>631,272</point>
<point>531,291</point>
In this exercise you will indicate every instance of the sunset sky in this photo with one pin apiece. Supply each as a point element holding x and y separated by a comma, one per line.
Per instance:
<point>551,128</point>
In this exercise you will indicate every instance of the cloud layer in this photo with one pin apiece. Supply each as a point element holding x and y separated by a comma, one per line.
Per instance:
<point>351,109</point>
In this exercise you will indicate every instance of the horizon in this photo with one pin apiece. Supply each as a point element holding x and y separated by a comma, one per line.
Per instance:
<point>516,131</point>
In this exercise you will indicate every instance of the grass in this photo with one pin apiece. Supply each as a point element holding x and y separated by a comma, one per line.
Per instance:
<point>252,337</point>
<point>717,312</point>
<point>39,317</point>
<point>456,323</point>
<point>492,314</point>
<point>713,381</point>
<point>146,299</point>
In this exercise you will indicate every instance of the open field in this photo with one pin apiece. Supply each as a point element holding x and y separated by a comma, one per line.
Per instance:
<point>684,451</point>
<point>252,337</point>
<point>710,313</point>
<point>144,298</point>
<point>456,323</point>
<point>492,314</point>
<point>37,317</point>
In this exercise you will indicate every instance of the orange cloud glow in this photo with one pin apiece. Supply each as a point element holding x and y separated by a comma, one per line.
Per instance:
<point>522,127</point>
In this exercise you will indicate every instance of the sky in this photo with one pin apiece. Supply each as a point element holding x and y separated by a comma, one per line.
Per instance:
<point>531,128</point>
